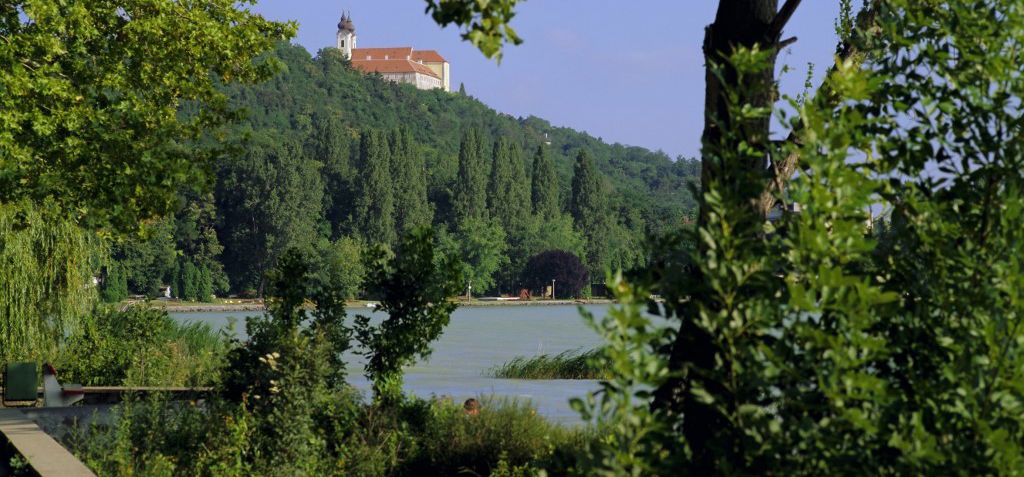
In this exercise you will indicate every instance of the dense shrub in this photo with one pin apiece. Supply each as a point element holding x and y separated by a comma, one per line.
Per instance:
<point>141,346</point>
<point>566,269</point>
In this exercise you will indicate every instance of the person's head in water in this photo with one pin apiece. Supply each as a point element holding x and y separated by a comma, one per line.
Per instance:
<point>472,407</point>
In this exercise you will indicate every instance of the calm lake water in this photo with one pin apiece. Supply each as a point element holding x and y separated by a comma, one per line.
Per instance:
<point>476,340</point>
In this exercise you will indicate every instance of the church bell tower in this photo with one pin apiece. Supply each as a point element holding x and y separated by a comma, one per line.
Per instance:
<point>346,35</point>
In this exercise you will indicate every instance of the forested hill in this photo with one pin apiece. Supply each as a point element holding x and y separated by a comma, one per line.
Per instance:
<point>333,161</point>
<point>650,183</point>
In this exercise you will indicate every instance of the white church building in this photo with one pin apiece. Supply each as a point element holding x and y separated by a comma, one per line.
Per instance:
<point>425,69</point>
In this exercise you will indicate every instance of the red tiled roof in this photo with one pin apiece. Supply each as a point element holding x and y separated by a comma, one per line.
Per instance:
<point>391,66</point>
<point>400,53</point>
<point>428,56</point>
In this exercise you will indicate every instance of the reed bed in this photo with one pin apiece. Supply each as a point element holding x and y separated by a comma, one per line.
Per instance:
<point>571,364</point>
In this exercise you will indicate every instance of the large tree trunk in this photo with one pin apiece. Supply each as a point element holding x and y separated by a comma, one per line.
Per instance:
<point>738,23</point>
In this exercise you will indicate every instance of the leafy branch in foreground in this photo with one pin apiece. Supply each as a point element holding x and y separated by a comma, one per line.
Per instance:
<point>414,288</point>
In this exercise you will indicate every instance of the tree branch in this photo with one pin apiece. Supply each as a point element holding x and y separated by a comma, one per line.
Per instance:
<point>782,18</point>
<point>783,169</point>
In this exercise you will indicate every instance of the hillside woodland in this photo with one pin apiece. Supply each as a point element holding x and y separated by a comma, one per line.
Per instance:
<point>333,161</point>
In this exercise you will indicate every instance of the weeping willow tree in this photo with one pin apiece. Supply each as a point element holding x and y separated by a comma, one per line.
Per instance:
<point>45,279</point>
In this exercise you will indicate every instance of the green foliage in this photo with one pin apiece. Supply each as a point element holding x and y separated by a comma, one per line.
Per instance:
<point>141,346</point>
<point>508,191</point>
<point>149,258</point>
<point>480,247</point>
<point>410,183</point>
<point>636,438</point>
<point>417,437</point>
<point>544,186</point>
<point>505,434</point>
<point>291,345</point>
<point>589,210</point>
<point>45,279</point>
<point>343,266</point>
<point>570,364</point>
<point>269,200</point>
<point>414,289</point>
<point>486,23</point>
<point>470,193</point>
<point>89,113</point>
<point>555,233</point>
<point>375,202</point>
<point>810,345</point>
<point>331,105</point>
<point>189,282</point>
<point>114,286</point>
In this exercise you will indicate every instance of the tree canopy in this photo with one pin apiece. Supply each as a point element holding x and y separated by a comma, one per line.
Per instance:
<point>90,110</point>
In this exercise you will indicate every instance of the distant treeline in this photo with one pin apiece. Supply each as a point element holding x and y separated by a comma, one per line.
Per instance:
<point>333,161</point>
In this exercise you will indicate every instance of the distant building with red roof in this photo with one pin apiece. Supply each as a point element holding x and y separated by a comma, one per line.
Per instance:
<point>424,69</point>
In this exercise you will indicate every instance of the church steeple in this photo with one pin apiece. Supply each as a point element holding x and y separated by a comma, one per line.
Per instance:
<point>346,34</point>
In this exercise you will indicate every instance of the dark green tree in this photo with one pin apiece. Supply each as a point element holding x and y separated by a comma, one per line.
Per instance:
<point>589,211</point>
<point>375,201</point>
<point>189,281</point>
<point>544,186</point>
<point>148,260</point>
<point>195,237</point>
<point>114,287</point>
<point>329,145</point>
<point>462,88</point>
<point>508,192</point>
<point>269,200</point>
<point>410,183</point>
<point>470,193</point>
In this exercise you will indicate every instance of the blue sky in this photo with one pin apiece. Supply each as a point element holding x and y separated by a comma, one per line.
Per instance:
<point>626,71</point>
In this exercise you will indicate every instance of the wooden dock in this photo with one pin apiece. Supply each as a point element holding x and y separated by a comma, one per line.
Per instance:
<point>46,456</point>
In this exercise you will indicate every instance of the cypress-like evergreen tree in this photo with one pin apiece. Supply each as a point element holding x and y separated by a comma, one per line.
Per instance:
<point>470,194</point>
<point>498,181</point>
<point>544,188</point>
<point>588,209</point>
<point>204,282</point>
<point>190,282</point>
<point>410,183</point>
<point>375,203</point>
<point>507,191</point>
<point>329,145</point>
<point>115,284</point>
<point>509,199</point>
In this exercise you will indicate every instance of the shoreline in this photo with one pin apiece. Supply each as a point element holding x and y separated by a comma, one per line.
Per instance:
<point>211,307</point>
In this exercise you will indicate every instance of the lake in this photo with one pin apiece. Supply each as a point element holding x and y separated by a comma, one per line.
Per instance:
<point>476,340</point>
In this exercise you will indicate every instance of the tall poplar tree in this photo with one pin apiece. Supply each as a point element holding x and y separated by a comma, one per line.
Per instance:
<point>375,202</point>
<point>410,183</point>
<point>508,194</point>
<point>329,145</point>
<point>470,194</point>
<point>588,209</point>
<point>544,187</point>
